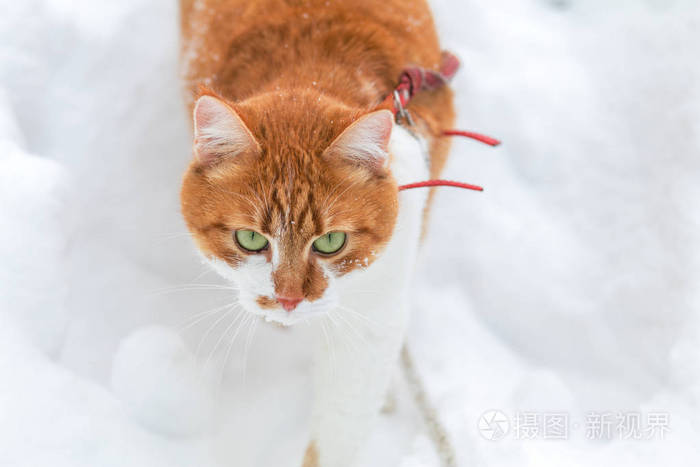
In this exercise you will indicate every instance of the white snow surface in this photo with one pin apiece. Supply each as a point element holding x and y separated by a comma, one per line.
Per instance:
<point>570,285</point>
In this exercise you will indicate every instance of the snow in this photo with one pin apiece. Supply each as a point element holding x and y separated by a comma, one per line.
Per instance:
<point>157,378</point>
<point>570,285</point>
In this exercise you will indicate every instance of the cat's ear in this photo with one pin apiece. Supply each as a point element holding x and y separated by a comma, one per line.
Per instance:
<point>365,141</point>
<point>219,132</point>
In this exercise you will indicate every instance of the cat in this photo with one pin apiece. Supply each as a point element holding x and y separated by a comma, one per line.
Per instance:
<point>292,191</point>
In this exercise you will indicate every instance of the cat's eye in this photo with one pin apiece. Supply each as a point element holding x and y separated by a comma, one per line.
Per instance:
<point>329,243</point>
<point>250,240</point>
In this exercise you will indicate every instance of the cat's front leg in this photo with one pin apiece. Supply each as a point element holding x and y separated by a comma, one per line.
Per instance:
<point>356,358</point>
<point>360,340</point>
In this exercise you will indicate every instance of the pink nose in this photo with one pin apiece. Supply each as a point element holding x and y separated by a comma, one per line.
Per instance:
<point>289,303</point>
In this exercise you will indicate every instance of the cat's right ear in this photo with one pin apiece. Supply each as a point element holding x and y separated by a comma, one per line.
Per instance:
<point>219,133</point>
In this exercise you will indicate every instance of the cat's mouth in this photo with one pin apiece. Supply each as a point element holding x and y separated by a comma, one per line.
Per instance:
<point>285,318</point>
<point>273,312</point>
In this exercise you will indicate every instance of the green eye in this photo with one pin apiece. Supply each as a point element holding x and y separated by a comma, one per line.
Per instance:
<point>330,243</point>
<point>251,240</point>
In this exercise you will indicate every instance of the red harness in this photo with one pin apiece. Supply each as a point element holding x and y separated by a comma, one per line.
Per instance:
<point>415,79</point>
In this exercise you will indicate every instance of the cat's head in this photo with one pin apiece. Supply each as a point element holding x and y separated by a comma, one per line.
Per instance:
<point>288,193</point>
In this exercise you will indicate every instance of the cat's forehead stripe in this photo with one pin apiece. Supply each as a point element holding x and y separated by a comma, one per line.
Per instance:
<point>293,210</point>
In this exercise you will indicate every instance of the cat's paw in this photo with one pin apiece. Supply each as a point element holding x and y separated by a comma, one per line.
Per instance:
<point>311,456</point>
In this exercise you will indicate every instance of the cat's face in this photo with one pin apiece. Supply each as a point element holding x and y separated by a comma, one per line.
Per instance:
<point>284,200</point>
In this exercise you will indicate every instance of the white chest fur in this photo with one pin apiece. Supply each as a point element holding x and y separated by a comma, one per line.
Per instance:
<point>361,339</point>
<point>361,330</point>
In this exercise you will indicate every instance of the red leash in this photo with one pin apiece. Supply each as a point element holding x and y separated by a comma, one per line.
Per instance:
<point>429,183</point>
<point>470,134</point>
<point>416,79</point>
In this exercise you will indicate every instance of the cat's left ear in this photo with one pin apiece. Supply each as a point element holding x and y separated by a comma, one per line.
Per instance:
<point>219,133</point>
<point>366,141</point>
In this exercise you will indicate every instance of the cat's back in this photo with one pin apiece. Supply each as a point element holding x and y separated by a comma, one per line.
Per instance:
<point>238,15</point>
<point>227,41</point>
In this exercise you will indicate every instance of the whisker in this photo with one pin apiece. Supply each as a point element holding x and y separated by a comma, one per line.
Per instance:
<point>211,328</point>
<point>337,198</point>
<point>198,317</point>
<point>227,355</point>
<point>346,338</point>
<point>193,287</point>
<point>173,235</point>
<point>333,191</point>
<point>219,286</point>
<point>240,318</point>
<point>206,269</point>
<point>331,354</point>
<point>248,342</point>
<point>354,330</point>
<point>373,325</point>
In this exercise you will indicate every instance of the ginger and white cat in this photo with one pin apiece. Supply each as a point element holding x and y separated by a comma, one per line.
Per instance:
<point>292,192</point>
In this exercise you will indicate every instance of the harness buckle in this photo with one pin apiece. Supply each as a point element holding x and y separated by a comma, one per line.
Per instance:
<point>401,111</point>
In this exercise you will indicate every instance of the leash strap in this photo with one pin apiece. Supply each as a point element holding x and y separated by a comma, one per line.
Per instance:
<point>415,79</point>
<point>431,183</point>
